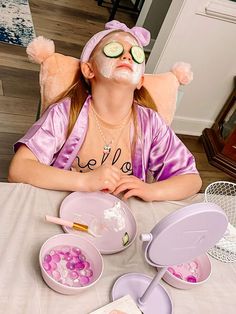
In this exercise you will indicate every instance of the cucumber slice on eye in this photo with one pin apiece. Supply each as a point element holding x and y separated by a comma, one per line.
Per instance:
<point>113,50</point>
<point>137,54</point>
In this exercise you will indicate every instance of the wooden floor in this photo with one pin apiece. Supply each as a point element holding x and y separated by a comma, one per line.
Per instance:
<point>70,23</point>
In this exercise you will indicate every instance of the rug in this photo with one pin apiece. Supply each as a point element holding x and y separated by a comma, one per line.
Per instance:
<point>16,26</point>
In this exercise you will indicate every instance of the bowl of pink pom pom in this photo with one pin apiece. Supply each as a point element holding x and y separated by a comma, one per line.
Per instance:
<point>70,264</point>
<point>189,275</point>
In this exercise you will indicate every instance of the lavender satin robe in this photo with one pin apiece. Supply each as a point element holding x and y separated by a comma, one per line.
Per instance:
<point>158,149</point>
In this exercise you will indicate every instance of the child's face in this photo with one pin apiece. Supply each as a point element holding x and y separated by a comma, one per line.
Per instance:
<point>122,68</point>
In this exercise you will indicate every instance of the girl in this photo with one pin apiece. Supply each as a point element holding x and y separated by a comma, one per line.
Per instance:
<point>106,130</point>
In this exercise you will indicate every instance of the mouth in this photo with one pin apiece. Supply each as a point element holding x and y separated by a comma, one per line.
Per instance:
<point>125,65</point>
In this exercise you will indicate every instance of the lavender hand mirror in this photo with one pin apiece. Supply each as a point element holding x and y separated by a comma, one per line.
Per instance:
<point>176,239</point>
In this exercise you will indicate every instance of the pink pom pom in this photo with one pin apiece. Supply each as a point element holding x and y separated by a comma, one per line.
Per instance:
<point>183,72</point>
<point>40,49</point>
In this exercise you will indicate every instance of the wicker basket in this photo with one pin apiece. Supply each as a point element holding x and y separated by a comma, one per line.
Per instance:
<point>223,193</point>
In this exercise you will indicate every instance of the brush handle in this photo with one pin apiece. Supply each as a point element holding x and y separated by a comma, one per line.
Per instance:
<point>70,224</point>
<point>59,221</point>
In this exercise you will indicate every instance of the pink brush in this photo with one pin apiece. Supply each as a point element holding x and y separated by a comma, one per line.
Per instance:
<point>73,225</point>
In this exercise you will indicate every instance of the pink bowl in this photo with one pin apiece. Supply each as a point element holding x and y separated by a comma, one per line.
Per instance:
<point>91,252</point>
<point>203,265</point>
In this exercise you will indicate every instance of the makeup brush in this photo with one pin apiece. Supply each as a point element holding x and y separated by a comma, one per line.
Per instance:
<point>73,225</point>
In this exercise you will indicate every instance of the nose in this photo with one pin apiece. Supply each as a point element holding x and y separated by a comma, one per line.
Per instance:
<point>126,56</point>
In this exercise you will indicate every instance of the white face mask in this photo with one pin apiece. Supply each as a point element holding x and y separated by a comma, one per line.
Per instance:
<point>108,69</point>
<point>108,66</point>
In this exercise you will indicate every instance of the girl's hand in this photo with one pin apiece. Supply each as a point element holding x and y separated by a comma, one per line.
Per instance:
<point>104,177</point>
<point>134,187</point>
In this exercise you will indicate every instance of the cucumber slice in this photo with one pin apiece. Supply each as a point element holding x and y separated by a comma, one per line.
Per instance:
<point>137,54</point>
<point>113,50</point>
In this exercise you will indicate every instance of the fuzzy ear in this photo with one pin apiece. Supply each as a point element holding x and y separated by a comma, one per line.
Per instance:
<point>57,72</point>
<point>163,88</point>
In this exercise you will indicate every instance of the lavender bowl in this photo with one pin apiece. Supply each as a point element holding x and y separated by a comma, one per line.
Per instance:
<point>64,269</point>
<point>189,275</point>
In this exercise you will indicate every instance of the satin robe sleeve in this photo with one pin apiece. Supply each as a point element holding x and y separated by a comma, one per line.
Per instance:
<point>168,155</point>
<point>47,135</point>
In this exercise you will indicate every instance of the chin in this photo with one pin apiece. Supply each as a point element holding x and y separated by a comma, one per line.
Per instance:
<point>126,78</point>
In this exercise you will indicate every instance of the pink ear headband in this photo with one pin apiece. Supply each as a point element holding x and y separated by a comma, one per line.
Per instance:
<point>139,33</point>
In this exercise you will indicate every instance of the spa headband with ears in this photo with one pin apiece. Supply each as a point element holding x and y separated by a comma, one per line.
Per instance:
<point>139,33</point>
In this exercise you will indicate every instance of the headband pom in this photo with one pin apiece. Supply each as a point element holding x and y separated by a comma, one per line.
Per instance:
<point>39,49</point>
<point>183,72</point>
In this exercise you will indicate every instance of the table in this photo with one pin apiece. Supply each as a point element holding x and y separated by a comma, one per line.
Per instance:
<point>23,231</point>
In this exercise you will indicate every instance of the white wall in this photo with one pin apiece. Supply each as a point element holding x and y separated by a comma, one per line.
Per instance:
<point>209,44</point>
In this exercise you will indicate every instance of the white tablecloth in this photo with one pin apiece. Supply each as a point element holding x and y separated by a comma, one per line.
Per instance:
<point>23,231</point>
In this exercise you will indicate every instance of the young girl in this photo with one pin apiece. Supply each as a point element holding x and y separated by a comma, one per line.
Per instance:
<point>106,131</point>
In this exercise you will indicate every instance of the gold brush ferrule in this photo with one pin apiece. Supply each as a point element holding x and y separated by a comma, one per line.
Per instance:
<point>80,227</point>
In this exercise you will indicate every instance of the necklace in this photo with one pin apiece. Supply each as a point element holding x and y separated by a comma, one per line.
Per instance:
<point>108,145</point>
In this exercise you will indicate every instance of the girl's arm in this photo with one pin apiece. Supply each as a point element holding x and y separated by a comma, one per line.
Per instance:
<point>25,168</point>
<point>175,188</point>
